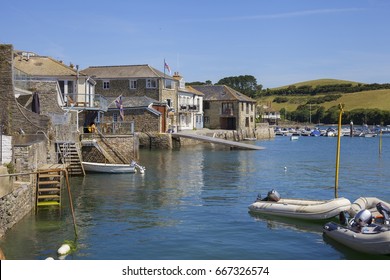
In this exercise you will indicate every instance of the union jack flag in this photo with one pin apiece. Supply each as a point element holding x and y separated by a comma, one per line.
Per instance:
<point>166,66</point>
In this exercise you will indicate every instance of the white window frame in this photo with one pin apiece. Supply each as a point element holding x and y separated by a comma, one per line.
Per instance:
<point>106,84</point>
<point>151,83</point>
<point>133,84</point>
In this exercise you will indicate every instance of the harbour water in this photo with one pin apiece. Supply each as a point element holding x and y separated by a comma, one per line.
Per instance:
<point>192,204</point>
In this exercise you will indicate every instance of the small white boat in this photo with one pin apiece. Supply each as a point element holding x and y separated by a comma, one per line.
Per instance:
<point>300,208</point>
<point>294,137</point>
<point>363,233</point>
<point>97,167</point>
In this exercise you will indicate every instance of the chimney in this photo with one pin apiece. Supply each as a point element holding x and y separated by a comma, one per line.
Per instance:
<point>177,76</point>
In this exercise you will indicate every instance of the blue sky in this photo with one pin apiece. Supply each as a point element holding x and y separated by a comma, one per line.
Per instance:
<point>279,42</point>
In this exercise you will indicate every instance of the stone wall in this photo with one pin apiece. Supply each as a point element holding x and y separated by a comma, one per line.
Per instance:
<point>212,115</point>
<point>155,141</point>
<point>122,87</point>
<point>117,147</point>
<point>166,141</point>
<point>246,116</point>
<point>15,205</point>
<point>13,115</point>
<point>144,120</point>
<point>28,157</point>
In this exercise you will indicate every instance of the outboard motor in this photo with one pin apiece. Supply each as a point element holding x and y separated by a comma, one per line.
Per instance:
<point>385,212</point>
<point>273,196</point>
<point>344,218</point>
<point>363,218</point>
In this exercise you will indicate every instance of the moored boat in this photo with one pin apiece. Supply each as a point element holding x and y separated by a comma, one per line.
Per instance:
<point>97,167</point>
<point>299,208</point>
<point>369,203</point>
<point>363,233</point>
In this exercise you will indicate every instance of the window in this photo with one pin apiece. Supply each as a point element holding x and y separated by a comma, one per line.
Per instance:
<point>247,108</point>
<point>99,117</point>
<point>169,84</point>
<point>227,108</point>
<point>133,84</point>
<point>206,105</point>
<point>206,120</point>
<point>115,117</point>
<point>106,84</point>
<point>169,103</point>
<point>151,83</point>
<point>246,122</point>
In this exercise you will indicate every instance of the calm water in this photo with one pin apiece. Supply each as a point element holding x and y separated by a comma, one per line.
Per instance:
<point>192,204</point>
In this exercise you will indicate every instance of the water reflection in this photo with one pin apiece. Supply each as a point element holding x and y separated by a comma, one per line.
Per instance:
<point>192,204</point>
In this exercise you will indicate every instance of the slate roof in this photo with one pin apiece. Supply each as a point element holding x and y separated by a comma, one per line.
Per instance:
<point>42,66</point>
<point>222,93</point>
<point>124,72</point>
<point>190,89</point>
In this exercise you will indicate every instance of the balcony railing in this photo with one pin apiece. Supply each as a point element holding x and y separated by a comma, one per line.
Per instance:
<point>84,101</point>
<point>188,108</point>
<point>110,128</point>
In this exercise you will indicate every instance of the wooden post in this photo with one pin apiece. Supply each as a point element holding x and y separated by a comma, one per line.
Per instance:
<point>380,142</point>
<point>70,201</point>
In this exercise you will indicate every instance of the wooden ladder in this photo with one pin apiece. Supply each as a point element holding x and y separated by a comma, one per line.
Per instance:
<point>48,188</point>
<point>68,153</point>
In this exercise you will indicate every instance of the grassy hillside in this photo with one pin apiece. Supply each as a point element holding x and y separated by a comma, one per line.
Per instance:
<point>321,82</point>
<point>372,99</point>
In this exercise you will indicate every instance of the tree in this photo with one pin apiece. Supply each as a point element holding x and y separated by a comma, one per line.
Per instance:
<point>319,115</point>
<point>245,84</point>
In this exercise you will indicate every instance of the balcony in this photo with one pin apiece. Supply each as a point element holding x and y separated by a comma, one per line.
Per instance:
<point>86,102</point>
<point>193,107</point>
<point>188,108</point>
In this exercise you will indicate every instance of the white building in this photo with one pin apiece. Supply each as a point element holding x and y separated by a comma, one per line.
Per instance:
<point>190,106</point>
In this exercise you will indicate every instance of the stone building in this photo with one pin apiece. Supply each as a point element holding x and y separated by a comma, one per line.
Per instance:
<point>226,108</point>
<point>71,90</point>
<point>137,81</point>
<point>13,116</point>
<point>140,114</point>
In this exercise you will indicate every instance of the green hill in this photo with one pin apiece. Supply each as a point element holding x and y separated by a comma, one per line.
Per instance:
<point>320,82</point>
<point>368,99</point>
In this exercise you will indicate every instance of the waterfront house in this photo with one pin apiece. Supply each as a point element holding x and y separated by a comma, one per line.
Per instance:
<point>137,80</point>
<point>135,114</point>
<point>68,88</point>
<point>190,105</point>
<point>226,108</point>
<point>268,114</point>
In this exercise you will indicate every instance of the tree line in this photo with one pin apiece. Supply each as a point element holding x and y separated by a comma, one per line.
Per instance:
<point>318,114</point>
<point>323,89</point>
<point>312,111</point>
